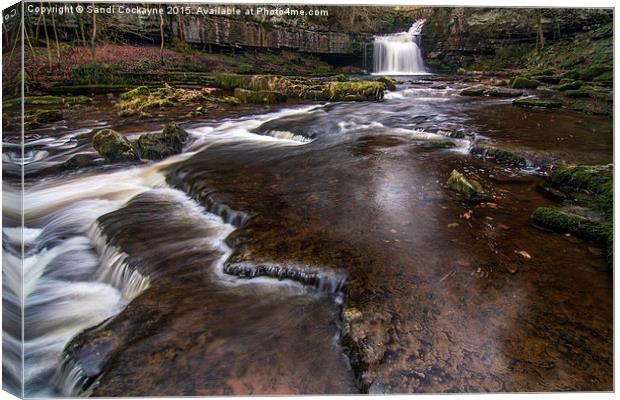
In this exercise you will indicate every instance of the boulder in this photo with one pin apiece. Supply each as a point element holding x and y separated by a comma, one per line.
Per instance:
<point>47,116</point>
<point>390,84</point>
<point>471,189</point>
<point>521,82</point>
<point>160,145</point>
<point>113,146</point>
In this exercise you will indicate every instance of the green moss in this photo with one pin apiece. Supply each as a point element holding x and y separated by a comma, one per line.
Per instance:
<point>259,96</point>
<point>355,91</point>
<point>594,71</point>
<point>471,189</point>
<point>568,219</point>
<point>390,83</point>
<point>139,91</point>
<point>230,81</point>
<point>521,82</point>
<point>576,93</point>
<point>607,76</point>
<point>473,92</point>
<point>43,100</point>
<point>537,103</point>
<point>569,85</point>
<point>245,69</point>
<point>47,116</point>
<point>77,100</point>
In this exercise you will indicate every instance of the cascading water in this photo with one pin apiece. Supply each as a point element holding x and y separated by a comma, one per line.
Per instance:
<point>399,53</point>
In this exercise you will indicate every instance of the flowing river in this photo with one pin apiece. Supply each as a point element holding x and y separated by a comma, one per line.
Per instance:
<point>226,269</point>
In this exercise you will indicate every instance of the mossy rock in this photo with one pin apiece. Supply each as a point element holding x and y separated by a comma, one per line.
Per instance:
<point>137,92</point>
<point>43,100</point>
<point>232,81</point>
<point>521,82</point>
<point>77,100</point>
<point>473,92</point>
<point>537,103</point>
<point>47,116</point>
<point>569,85</point>
<point>577,220</point>
<point>318,95</point>
<point>550,79</point>
<point>259,96</point>
<point>594,71</point>
<point>504,93</point>
<point>87,89</point>
<point>607,76</point>
<point>340,78</point>
<point>390,84</point>
<point>471,189</point>
<point>113,146</point>
<point>576,93</point>
<point>594,178</point>
<point>571,74</point>
<point>161,145</point>
<point>356,91</point>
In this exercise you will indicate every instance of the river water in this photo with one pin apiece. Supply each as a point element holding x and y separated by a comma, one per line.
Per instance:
<point>137,277</point>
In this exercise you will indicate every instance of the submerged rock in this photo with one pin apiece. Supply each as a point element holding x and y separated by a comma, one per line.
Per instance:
<point>537,103</point>
<point>471,189</point>
<point>47,116</point>
<point>501,156</point>
<point>587,207</point>
<point>473,92</point>
<point>113,146</point>
<point>160,145</point>
<point>504,93</point>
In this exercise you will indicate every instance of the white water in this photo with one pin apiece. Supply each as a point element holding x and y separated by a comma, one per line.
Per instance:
<point>399,53</point>
<point>72,278</point>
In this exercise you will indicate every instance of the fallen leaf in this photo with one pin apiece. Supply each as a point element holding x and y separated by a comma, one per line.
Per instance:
<point>462,262</point>
<point>453,225</point>
<point>468,214</point>
<point>524,254</point>
<point>487,218</point>
<point>512,269</point>
<point>503,226</point>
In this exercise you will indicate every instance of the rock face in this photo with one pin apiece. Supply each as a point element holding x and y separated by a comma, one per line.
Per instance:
<point>457,36</point>
<point>113,146</point>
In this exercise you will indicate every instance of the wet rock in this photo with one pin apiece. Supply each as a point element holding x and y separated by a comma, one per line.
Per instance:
<point>473,92</point>
<point>537,103</point>
<point>521,82</point>
<point>439,87</point>
<point>569,85</point>
<point>137,92</point>
<point>81,160</point>
<point>577,220</point>
<point>113,146</point>
<point>587,211</point>
<point>161,145</point>
<point>504,93</point>
<point>47,116</point>
<point>471,189</point>
<point>578,93</point>
<point>390,84</point>
<point>356,91</point>
<point>500,156</point>
<point>259,96</point>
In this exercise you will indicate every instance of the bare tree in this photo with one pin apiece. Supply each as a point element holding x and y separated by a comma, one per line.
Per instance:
<point>47,40</point>
<point>93,38</point>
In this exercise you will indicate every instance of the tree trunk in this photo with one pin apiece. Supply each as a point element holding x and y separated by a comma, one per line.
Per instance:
<point>47,40</point>
<point>541,37</point>
<point>93,38</point>
<point>161,33</point>
<point>55,35</point>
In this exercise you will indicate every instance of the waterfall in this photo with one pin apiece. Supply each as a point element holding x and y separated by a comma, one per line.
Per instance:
<point>399,53</point>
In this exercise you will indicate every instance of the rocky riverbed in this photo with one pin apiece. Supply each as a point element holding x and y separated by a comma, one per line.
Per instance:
<point>316,245</point>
